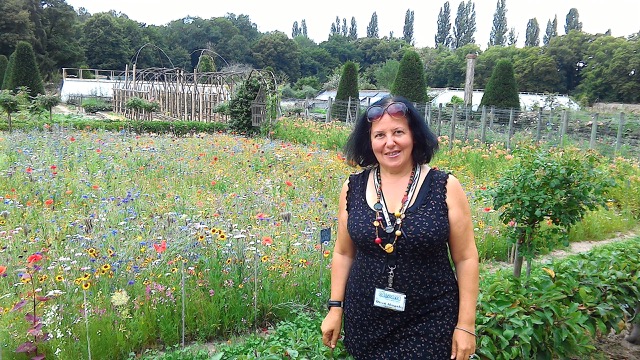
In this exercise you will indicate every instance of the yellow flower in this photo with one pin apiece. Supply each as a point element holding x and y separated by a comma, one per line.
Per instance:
<point>106,267</point>
<point>59,278</point>
<point>265,258</point>
<point>86,285</point>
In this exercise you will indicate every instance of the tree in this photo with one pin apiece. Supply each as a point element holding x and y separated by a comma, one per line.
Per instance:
<point>206,64</point>
<point>335,27</point>
<point>465,25</point>
<point>47,102</point>
<point>512,38</point>
<point>535,71</point>
<point>533,33</point>
<point>24,70</point>
<point>105,42</point>
<point>63,37</point>
<point>386,73</point>
<point>555,188</point>
<point>551,31</point>
<point>372,28</point>
<point>499,29</point>
<point>296,31</point>
<point>240,106</point>
<point>501,90</point>
<point>3,68</point>
<point>443,36</point>
<point>572,21</point>
<point>277,51</point>
<point>347,90</point>
<point>304,28</point>
<point>15,25</point>
<point>407,30</point>
<point>345,29</point>
<point>353,30</point>
<point>571,57</point>
<point>9,103</point>
<point>410,81</point>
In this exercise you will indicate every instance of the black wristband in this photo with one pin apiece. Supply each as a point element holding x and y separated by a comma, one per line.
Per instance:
<point>334,303</point>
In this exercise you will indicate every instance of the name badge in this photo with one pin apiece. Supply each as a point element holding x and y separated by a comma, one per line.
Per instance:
<point>389,300</point>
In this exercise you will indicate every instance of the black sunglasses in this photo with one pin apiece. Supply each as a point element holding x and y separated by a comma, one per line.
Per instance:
<point>396,110</point>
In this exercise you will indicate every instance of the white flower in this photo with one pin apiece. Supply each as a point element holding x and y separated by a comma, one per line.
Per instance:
<point>120,298</point>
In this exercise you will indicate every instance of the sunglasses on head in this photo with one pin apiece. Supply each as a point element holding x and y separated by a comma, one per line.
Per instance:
<point>396,110</point>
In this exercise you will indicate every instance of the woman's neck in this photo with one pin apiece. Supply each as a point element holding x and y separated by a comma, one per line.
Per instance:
<point>396,173</point>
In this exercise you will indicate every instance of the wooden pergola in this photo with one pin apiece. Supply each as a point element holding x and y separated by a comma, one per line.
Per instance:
<point>190,96</point>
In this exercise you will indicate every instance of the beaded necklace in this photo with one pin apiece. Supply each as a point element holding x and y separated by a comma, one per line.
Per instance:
<point>380,206</point>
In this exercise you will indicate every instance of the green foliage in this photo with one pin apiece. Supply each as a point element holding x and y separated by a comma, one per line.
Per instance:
<point>206,64</point>
<point>348,86</point>
<point>47,102</point>
<point>93,105</point>
<point>560,309</point>
<point>9,103</point>
<point>240,106</point>
<point>410,81</point>
<point>502,91</point>
<point>546,193</point>
<point>4,62</point>
<point>24,70</point>
<point>386,73</point>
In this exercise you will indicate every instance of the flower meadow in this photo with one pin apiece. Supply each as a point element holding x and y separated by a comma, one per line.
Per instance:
<point>112,243</point>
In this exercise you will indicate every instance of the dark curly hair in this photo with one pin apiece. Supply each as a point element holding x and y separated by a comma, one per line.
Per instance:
<point>358,150</point>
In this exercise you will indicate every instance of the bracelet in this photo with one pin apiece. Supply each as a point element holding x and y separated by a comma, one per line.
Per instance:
<point>335,303</point>
<point>467,331</point>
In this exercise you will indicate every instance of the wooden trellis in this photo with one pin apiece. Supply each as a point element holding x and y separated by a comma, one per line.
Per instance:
<point>187,96</point>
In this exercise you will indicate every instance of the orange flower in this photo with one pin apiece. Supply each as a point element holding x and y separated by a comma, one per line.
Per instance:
<point>289,183</point>
<point>48,202</point>
<point>160,248</point>
<point>3,269</point>
<point>34,258</point>
<point>267,240</point>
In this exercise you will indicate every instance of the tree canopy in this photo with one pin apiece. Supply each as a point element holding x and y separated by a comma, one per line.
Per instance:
<point>502,91</point>
<point>410,81</point>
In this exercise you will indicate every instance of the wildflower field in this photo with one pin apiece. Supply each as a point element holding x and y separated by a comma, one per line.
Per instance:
<point>112,242</point>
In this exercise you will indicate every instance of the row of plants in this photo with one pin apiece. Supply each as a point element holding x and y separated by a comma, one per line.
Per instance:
<point>555,313</point>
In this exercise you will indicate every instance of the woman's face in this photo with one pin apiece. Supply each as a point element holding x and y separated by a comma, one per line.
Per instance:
<point>392,141</point>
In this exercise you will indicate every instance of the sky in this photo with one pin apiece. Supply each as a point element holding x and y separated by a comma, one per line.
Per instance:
<point>597,16</point>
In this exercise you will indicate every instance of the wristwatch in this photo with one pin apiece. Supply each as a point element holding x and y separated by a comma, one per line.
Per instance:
<point>335,303</point>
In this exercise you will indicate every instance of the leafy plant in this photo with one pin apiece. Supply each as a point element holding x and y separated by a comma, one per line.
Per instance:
<point>240,106</point>
<point>9,103</point>
<point>47,102</point>
<point>546,193</point>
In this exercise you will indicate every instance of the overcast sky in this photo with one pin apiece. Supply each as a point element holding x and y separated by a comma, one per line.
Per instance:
<point>597,16</point>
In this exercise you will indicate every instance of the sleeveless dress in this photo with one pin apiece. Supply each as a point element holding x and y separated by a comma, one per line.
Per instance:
<point>423,273</point>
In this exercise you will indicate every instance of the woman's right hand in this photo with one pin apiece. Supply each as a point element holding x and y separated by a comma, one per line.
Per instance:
<point>331,327</point>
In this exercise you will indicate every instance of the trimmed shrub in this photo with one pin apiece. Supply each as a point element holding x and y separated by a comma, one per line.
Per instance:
<point>411,81</point>
<point>240,106</point>
<point>24,71</point>
<point>347,89</point>
<point>4,62</point>
<point>502,90</point>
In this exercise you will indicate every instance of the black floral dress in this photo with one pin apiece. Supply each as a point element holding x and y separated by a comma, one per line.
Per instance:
<point>423,273</point>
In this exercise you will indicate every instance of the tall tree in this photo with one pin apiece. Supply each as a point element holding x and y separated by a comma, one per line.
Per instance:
<point>277,51</point>
<point>410,81</point>
<point>443,36</point>
<point>63,37</point>
<point>345,29</point>
<point>107,46</point>
<point>465,25</point>
<point>573,21</point>
<point>533,33</point>
<point>24,70</point>
<point>295,30</point>
<point>407,31</point>
<point>499,28</point>
<point>551,31</point>
<point>347,89</point>
<point>304,28</point>
<point>3,68</point>
<point>15,25</point>
<point>512,37</point>
<point>353,29</point>
<point>501,90</point>
<point>372,28</point>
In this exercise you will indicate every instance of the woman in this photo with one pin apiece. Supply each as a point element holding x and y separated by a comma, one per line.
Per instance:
<point>398,222</point>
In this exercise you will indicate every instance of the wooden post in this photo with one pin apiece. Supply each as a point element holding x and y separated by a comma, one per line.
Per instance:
<point>539,128</point>
<point>620,128</point>
<point>594,131</point>
<point>511,118</point>
<point>453,126</point>
<point>468,83</point>
<point>492,115</point>
<point>439,119</point>
<point>467,110</point>
<point>427,113</point>
<point>483,124</point>
<point>329,105</point>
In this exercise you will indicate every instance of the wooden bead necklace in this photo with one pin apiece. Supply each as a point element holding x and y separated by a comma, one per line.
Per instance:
<point>380,206</point>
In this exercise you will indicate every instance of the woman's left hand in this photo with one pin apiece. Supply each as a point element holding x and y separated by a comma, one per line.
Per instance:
<point>463,346</point>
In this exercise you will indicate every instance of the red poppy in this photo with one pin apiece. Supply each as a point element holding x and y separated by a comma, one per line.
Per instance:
<point>53,167</point>
<point>160,248</point>
<point>3,269</point>
<point>95,187</point>
<point>289,183</point>
<point>267,240</point>
<point>29,170</point>
<point>487,209</point>
<point>34,258</point>
<point>48,202</point>
<point>72,139</point>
